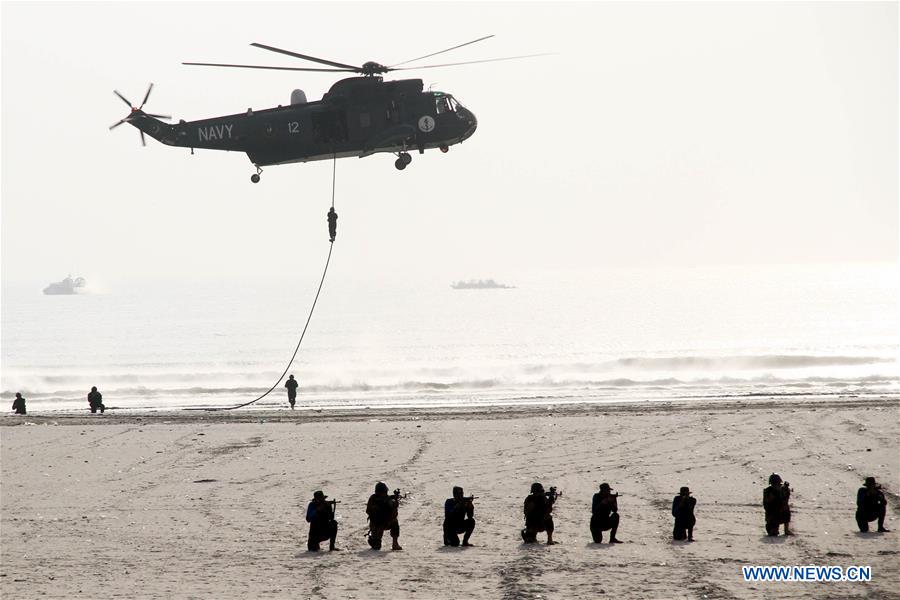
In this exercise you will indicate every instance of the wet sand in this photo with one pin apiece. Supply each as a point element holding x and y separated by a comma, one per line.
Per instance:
<point>211,505</point>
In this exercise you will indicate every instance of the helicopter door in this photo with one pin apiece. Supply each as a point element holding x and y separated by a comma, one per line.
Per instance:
<point>330,126</point>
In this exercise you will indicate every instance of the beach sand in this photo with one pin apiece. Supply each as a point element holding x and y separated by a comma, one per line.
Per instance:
<point>211,505</point>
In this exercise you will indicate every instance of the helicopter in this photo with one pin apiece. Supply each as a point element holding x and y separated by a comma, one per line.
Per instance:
<point>358,116</point>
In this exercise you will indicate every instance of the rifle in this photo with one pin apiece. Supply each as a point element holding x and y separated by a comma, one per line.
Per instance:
<point>552,494</point>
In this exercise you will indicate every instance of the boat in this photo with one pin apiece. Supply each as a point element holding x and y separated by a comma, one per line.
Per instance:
<point>65,287</point>
<point>480,284</point>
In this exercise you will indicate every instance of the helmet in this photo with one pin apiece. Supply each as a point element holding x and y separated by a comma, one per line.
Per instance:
<point>685,491</point>
<point>604,486</point>
<point>381,488</point>
<point>537,488</point>
<point>774,478</point>
<point>319,495</point>
<point>870,481</point>
<point>457,491</point>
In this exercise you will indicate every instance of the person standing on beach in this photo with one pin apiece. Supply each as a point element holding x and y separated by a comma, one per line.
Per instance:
<point>383,511</point>
<point>683,511</point>
<point>19,404</point>
<point>605,515</point>
<point>291,385</point>
<point>459,513</point>
<point>538,506</point>
<point>776,503</point>
<point>95,401</point>
<point>870,505</point>
<point>322,526</point>
<point>332,224</point>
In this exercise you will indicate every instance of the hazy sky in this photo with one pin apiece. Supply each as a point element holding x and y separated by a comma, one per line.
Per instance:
<point>660,133</point>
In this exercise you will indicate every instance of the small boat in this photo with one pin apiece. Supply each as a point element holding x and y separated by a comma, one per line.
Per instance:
<point>65,287</point>
<point>480,284</point>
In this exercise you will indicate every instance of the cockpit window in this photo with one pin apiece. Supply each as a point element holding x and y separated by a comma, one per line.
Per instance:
<point>444,104</point>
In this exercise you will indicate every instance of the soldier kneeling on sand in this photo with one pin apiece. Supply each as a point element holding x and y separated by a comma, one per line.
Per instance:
<point>870,505</point>
<point>322,526</point>
<point>683,511</point>
<point>18,404</point>
<point>383,510</point>
<point>95,401</point>
<point>605,515</point>
<point>538,506</point>
<point>459,513</point>
<point>776,503</point>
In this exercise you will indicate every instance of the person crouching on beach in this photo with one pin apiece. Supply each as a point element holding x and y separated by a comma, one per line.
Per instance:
<point>322,526</point>
<point>605,515</point>
<point>459,518</point>
<point>95,401</point>
<point>19,404</point>
<point>538,506</point>
<point>383,511</point>
<point>776,503</point>
<point>870,505</point>
<point>683,511</point>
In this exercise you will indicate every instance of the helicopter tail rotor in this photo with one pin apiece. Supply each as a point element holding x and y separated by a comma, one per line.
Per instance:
<point>137,112</point>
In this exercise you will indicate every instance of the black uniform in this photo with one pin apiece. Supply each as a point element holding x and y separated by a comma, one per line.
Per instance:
<point>292,385</point>
<point>870,505</point>
<point>322,526</point>
<point>604,516</point>
<point>95,401</point>
<point>683,511</point>
<point>332,223</point>
<point>537,516</point>
<point>18,405</point>
<point>382,510</point>
<point>458,518</point>
<point>776,503</point>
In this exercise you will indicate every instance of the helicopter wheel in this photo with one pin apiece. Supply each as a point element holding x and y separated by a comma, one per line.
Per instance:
<point>255,178</point>
<point>400,164</point>
<point>406,157</point>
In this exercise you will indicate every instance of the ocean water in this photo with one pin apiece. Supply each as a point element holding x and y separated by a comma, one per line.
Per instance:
<point>559,337</point>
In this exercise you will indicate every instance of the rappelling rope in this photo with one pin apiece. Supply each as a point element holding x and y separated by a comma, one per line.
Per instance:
<point>311,310</point>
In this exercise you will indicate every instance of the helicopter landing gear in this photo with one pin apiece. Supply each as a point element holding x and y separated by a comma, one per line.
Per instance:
<point>255,177</point>
<point>403,160</point>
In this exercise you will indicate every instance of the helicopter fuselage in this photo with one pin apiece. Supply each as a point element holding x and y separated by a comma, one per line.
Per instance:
<point>358,116</point>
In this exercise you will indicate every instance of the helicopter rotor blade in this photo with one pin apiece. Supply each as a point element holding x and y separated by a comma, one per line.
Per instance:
<point>147,95</point>
<point>114,125</point>
<point>472,62</point>
<point>143,141</point>
<point>306,57</point>
<point>353,70</point>
<point>124,99</point>
<point>158,116</point>
<point>442,51</point>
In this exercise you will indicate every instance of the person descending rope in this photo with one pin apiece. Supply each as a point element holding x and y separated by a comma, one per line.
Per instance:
<point>332,224</point>
<point>332,229</point>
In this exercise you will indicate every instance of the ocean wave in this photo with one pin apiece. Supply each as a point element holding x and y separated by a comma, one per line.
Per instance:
<point>662,365</point>
<point>714,363</point>
<point>767,382</point>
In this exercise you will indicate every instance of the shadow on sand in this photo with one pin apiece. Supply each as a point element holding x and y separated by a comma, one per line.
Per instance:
<point>771,539</point>
<point>454,548</point>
